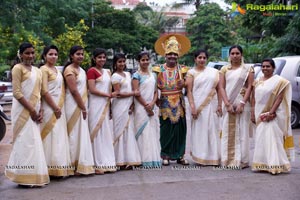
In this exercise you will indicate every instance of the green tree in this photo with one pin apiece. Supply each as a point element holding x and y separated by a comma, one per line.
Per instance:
<point>15,13</point>
<point>47,18</point>
<point>9,43</point>
<point>289,43</point>
<point>257,22</point>
<point>208,30</point>
<point>73,36</point>
<point>270,36</point>
<point>119,30</point>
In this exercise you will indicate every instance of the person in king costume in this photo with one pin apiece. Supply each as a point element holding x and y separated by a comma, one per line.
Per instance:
<point>170,82</point>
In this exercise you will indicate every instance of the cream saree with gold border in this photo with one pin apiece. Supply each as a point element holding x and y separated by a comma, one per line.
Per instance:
<point>27,164</point>
<point>236,127</point>
<point>79,136</point>
<point>100,126</point>
<point>125,145</point>
<point>205,130</point>
<point>273,139</point>
<point>54,131</point>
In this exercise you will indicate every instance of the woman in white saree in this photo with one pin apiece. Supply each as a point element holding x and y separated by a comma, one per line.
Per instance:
<point>273,138</point>
<point>54,126</point>
<point>236,81</point>
<point>27,165</point>
<point>76,114</point>
<point>99,82</point>
<point>125,145</point>
<point>205,102</point>
<point>146,113</point>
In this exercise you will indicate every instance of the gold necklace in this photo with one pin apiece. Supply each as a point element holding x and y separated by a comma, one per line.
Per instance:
<point>173,75</point>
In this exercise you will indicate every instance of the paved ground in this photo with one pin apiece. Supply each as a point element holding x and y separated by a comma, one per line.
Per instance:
<point>171,182</point>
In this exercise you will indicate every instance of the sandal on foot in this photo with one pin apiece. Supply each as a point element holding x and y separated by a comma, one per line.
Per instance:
<point>99,172</point>
<point>183,161</point>
<point>165,162</point>
<point>128,167</point>
<point>77,174</point>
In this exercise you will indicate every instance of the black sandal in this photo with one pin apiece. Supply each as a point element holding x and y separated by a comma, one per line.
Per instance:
<point>183,161</point>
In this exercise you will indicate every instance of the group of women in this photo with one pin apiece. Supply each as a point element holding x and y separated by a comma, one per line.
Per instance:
<point>220,136</point>
<point>62,121</point>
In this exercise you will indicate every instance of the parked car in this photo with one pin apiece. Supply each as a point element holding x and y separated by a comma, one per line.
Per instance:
<point>257,69</point>
<point>60,68</point>
<point>6,88</point>
<point>6,91</point>
<point>132,70</point>
<point>289,68</point>
<point>3,117</point>
<point>217,65</point>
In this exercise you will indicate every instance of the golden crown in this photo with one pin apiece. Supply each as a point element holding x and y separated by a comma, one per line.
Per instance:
<point>172,43</point>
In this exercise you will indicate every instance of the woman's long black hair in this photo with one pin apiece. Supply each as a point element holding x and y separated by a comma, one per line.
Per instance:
<point>45,51</point>
<point>21,50</point>
<point>117,56</point>
<point>72,52</point>
<point>96,53</point>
